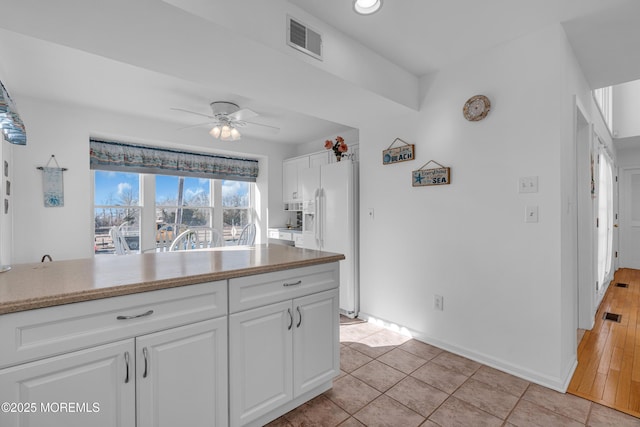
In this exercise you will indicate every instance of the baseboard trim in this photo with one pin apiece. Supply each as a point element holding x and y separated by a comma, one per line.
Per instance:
<point>555,383</point>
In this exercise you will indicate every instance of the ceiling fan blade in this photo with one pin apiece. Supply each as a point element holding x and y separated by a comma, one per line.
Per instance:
<point>194,112</point>
<point>270,128</point>
<point>243,114</point>
<point>209,123</point>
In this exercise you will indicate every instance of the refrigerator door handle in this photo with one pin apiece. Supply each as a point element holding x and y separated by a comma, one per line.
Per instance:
<point>316,218</point>
<point>320,219</point>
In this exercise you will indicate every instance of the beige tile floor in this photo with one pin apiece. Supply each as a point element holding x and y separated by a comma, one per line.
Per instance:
<point>387,379</point>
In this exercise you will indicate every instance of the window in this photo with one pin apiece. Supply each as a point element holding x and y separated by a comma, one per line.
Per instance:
<point>178,203</point>
<point>116,204</point>
<point>191,190</point>
<point>604,100</point>
<point>236,208</point>
<point>183,200</point>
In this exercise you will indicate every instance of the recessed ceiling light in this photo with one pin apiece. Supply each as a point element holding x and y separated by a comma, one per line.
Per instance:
<point>366,7</point>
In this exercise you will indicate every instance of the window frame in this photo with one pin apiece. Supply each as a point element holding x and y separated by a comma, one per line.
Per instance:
<point>147,207</point>
<point>95,207</point>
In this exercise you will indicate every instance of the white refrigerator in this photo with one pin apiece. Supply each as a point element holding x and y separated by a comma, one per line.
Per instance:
<point>330,222</point>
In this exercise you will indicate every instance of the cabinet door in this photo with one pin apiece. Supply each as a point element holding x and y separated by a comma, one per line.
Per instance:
<point>290,169</point>
<point>182,376</point>
<point>289,181</point>
<point>316,340</point>
<point>93,387</point>
<point>319,159</point>
<point>260,347</point>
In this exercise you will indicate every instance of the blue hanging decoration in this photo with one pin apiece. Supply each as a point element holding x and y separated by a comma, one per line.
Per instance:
<point>10,122</point>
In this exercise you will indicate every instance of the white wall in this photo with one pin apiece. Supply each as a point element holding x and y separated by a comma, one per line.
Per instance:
<point>64,130</point>
<point>500,277</point>
<point>342,56</point>
<point>351,137</point>
<point>629,157</point>
<point>626,101</point>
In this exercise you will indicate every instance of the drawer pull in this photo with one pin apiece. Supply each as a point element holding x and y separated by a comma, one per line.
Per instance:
<point>293,284</point>
<point>146,362</point>
<point>290,319</point>
<point>148,313</point>
<point>126,364</point>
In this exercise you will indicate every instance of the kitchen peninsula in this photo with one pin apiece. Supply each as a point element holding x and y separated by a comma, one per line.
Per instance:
<point>233,336</point>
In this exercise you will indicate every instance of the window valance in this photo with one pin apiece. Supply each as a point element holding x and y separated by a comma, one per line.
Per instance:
<point>11,124</point>
<point>116,156</point>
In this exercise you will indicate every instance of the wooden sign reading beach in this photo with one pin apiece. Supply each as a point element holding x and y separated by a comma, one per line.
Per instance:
<point>398,154</point>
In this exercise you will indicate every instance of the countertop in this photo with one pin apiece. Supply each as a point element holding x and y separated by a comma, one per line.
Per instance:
<point>38,285</point>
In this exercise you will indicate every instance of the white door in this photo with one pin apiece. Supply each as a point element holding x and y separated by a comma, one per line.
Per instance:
<point>316,341</point>
<point>630,219</point>
<point>182,376</point>
<point>616,220</point>
<point>98,382</point>
<point>605,220</point>
<point>260,358</point>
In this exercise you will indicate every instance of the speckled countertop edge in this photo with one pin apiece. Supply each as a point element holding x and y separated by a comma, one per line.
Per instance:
<point>55,297</point>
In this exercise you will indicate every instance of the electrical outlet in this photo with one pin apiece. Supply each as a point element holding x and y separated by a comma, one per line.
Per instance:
<point>528,184</point>
<point>438,302</point>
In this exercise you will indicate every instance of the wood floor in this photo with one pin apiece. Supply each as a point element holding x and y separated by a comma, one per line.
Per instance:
<point>608,369</point>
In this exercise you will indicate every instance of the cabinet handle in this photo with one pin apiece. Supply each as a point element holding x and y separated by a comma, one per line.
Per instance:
<point>148,313</point>
<point>300,314</point>
<point>292,284</point>
<point>145,354</point>
<point>290,319</point>
<point>126,364</point>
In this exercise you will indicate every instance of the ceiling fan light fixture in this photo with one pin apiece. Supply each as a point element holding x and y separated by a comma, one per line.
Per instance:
<point>366,7</point>
<point>215,132</point>
<point>225,133</point>
<point>235,135</point>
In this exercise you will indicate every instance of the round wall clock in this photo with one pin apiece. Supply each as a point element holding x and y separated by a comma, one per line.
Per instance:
<point>476,108</point>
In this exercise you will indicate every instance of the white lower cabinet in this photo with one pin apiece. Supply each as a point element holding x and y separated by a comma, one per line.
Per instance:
<point>181,376</point>
<point>169,378</point>
<point>280,352</point>
<point>39,394</point>
<point>316,348</point>
<point>239,352</point>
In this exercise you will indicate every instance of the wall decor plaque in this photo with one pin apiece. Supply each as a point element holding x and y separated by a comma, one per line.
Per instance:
<point>398,154</point>
<point>436,176</point>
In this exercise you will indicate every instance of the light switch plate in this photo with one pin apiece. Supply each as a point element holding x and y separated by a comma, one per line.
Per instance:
<point>528,184</point>
<point>531,214</point>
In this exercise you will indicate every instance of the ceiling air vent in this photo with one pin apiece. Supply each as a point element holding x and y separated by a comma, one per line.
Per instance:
<point>303,38</point>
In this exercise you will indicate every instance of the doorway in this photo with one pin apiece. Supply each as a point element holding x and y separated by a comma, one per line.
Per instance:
<point>585,189</point>
<point>630,218</point>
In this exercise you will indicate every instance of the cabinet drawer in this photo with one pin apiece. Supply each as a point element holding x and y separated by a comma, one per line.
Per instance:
<point>274,234</point>
<point>285,235</point>
<point>262,289</point>
<point>35,334</point>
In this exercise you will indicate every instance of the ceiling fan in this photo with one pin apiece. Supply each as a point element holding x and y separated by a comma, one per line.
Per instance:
<point>227,117</point>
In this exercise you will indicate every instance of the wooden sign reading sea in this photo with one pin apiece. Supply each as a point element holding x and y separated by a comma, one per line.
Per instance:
<point>438,176</point>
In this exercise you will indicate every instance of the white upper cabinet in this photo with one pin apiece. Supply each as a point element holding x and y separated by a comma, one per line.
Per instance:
<point>290,188</point>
